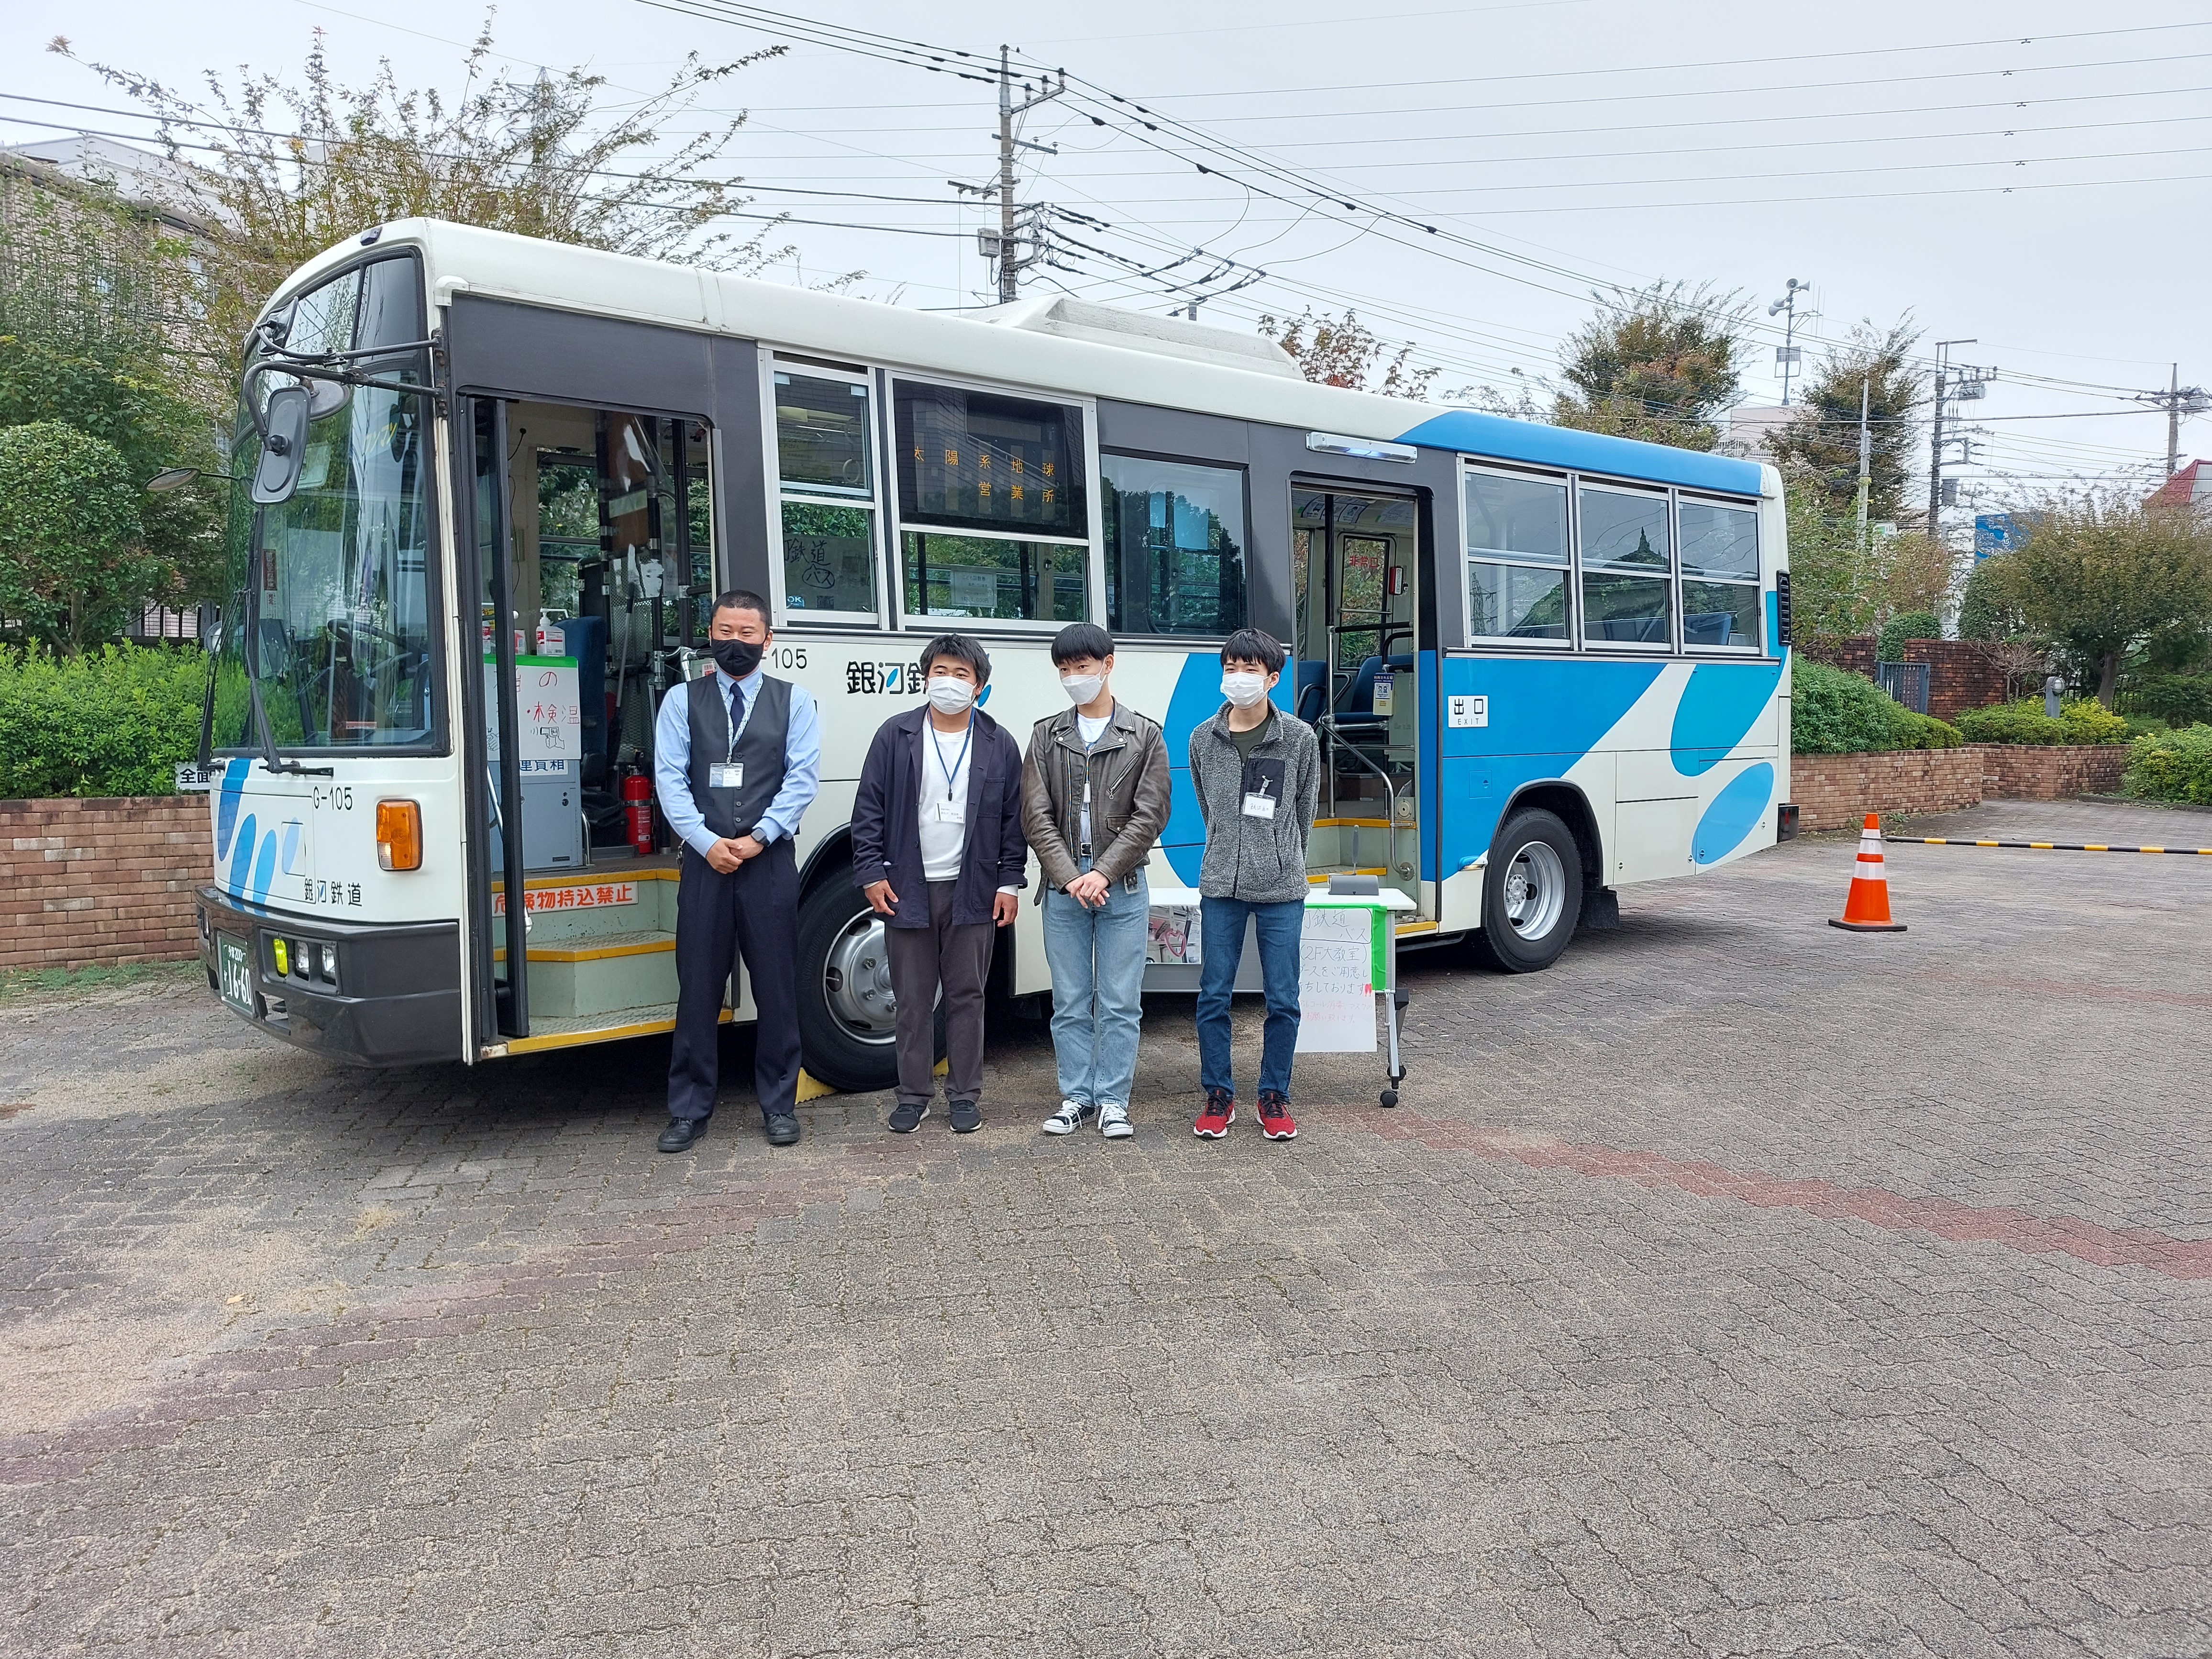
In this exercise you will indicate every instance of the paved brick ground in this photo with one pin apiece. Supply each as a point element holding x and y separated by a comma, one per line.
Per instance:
<point>1739,1286</point>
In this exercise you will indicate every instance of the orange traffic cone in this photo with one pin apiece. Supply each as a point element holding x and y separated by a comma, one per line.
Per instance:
<point>1866,910</point>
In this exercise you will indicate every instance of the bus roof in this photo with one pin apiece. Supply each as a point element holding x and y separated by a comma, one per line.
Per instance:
<point>1155,361</point>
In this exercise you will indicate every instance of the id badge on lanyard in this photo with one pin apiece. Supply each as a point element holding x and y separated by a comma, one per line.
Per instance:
<point>1259,804</point>
<point>726,776</point>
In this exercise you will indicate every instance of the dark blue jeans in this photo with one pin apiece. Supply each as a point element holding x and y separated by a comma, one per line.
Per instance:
<point>1222,921</point>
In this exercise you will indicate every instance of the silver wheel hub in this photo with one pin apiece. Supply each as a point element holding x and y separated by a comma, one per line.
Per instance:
<point>856,981</point>
<point>1535,890</point>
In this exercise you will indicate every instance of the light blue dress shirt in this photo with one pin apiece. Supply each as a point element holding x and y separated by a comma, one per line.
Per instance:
<point>672,763</point>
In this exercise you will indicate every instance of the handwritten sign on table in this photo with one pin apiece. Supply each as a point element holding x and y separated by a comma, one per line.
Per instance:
<point>549,710</point>
<point>1336,982</point>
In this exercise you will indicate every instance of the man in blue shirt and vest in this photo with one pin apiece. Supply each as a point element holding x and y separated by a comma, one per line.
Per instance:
<point>737,759</point>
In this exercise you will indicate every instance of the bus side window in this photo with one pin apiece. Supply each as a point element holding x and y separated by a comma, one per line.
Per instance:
<point>993,517</point>
<point>1174,547</point>
<point>826,479</point>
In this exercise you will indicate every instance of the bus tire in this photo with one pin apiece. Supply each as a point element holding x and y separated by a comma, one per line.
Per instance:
<point>845,1009</point>
<point>1532,892</point>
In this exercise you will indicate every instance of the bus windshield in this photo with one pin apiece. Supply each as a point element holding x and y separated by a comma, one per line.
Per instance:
<point>330,590</point>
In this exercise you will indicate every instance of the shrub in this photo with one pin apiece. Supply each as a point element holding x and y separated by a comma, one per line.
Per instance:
<point>114,721</point>
<point>2177,699</point>
<point>2080,719</point>
<point>1833,712</point>
<point>1912,625</point>
<point>2171,765</point>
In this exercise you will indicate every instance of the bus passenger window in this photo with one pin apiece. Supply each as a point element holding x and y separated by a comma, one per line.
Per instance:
<point>1174,547</point>
<point>1516,557</point>
<point>1720,576</point>
<point>824,446</point>
<point>993,518</point>
<point>1627,568</point>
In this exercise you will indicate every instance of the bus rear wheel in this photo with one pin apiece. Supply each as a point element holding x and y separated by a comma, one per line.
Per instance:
<point>848,1014</point>
<point>1532,894</point>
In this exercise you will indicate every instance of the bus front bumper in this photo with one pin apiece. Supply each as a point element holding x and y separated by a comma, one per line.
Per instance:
<point>365,993</point>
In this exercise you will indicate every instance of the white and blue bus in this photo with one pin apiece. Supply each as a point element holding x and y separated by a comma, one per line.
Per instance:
<point>494,482</point>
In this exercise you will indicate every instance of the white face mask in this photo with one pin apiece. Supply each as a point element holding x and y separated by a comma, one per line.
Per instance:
<point>1244,690</point>
<point>1082,688</point>
<point>949,696</point>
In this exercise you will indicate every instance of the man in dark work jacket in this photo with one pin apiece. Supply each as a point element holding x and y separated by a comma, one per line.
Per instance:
<point>737,759</point>
<point>938,849</point>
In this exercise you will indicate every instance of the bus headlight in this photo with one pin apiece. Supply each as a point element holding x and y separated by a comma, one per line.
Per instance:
<point>399,834</point>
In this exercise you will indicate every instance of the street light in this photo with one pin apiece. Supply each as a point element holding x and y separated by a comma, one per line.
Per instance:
<point>1788,354</point>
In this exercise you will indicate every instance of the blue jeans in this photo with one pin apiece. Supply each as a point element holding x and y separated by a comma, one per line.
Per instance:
<point>1223,943</point>
<point>1097,962</point>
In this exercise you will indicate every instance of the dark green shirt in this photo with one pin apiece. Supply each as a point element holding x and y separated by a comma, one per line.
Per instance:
<point>1246,742</point>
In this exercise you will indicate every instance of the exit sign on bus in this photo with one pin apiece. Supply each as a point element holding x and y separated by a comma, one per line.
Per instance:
<point>1470,711</point>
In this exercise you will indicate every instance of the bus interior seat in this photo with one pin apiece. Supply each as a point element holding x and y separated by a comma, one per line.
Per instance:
<point>1355,711</point>
<point>1707,627</point>
<point>1633,630</point>
<point>1311,694</point>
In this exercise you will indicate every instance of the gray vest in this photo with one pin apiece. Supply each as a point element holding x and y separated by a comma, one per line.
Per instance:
<point>733,812</point>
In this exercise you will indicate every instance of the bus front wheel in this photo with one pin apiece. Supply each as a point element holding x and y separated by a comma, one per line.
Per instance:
<point>1532,894</point>
<point>847,1015</point>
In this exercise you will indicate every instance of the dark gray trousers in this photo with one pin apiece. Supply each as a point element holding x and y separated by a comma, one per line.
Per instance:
<point>957,960</point>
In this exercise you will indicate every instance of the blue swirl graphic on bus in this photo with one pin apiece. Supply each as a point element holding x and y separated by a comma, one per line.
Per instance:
<point>1718,708</point>
<point>1735,812</point>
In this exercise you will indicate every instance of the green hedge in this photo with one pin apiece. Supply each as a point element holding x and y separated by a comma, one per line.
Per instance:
<point>2177,699</point>
<point>1912,625</point>
<point>114,721</point>
<point>2171,765</point>
<point>2080,719</point>
<point>1835,713</point>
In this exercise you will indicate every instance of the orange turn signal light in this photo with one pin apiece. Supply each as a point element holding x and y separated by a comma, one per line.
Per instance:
<point>399,834</point>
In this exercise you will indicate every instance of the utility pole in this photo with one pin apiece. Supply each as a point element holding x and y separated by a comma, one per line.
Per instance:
<point>2179,400</point>
<point>1866,459</point>
<point>1787,354</point>
<point>1968,383</point>
<point>1011,264</point>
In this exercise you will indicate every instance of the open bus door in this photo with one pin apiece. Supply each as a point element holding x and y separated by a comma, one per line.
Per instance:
<point>494,771</point>
<point>1357,567</point>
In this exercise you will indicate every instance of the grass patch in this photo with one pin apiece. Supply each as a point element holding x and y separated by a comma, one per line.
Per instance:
<point>18,983</point>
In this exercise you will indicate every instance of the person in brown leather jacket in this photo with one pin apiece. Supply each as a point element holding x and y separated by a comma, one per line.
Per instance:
<point>1094,796</point>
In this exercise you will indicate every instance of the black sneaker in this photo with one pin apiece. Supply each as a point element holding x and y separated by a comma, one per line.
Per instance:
<point>967,1117</point>
<point>908,1116</point>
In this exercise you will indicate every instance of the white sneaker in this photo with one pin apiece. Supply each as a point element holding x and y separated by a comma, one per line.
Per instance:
<point>1071,1116</point>
<point>1114,1121</point>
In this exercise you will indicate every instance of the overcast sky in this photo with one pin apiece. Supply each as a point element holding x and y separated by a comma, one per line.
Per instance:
<point>2043,193</point>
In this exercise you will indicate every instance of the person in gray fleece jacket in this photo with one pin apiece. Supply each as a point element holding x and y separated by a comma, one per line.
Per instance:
<point>1256,772</point>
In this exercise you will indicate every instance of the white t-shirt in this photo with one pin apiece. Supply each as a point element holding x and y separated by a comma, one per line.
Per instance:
<point>944,777</point>
<point>1090,730</point>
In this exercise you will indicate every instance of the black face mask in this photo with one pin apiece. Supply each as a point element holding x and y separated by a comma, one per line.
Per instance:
<point>735,658</point>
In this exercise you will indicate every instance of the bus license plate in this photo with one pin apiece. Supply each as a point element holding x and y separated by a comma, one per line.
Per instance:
<point>234,969</point>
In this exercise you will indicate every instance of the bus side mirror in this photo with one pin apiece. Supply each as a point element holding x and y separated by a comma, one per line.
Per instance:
<point>283,444</point>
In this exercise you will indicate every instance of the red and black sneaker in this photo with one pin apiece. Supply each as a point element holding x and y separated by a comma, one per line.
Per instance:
<point>1275,1120</point>
<point>1215,1117</point>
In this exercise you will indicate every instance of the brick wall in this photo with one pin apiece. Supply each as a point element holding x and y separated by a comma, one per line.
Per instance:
<point>2027,772</point>
<point>100,882</point>
<point>1960,676</point>
<point>1834,792</point>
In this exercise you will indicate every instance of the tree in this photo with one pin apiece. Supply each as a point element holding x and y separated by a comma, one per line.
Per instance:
<point>2098,576</point>
<point>75,556</point>
<point>88,282</point>
<point>1821,441</point>
<point>1344,352</point>
<point>1658,363</point>
<point>282,171</point>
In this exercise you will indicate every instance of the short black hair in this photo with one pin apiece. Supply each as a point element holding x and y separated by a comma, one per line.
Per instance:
<point>1254,645</point>
<point>740,598</point>
<point>960,648</point>
<point>1081,639</point>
